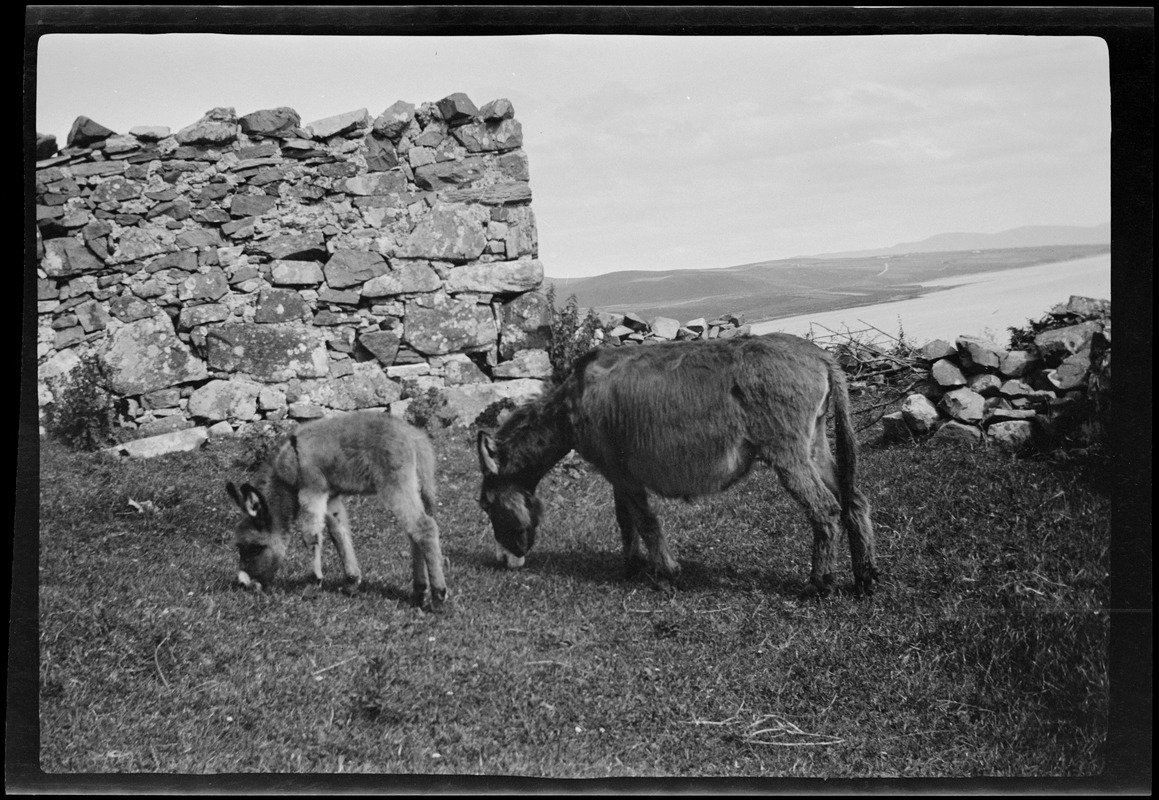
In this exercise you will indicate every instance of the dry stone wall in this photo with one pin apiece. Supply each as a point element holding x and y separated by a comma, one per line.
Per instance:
<point>978,391</point>
<point>248,268</point>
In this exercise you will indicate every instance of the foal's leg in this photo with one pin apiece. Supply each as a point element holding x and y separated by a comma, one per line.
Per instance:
<point>311,522</point>
<point>426,554</point>
<point>635,554</point>
<point>634,503</point>
<point>338,526</point>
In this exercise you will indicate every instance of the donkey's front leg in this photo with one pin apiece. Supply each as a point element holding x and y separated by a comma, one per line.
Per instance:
<point>647,527</point>
<point>311,521</point>
<point>338,526</point>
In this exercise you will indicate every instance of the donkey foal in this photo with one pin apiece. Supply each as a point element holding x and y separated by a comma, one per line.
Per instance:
<point>360,453</point>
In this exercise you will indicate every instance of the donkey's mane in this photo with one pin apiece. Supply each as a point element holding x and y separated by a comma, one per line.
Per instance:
<point>536,435</point>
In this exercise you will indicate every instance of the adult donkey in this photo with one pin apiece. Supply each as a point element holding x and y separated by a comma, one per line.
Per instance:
<point>685,419</point>
<point>365,452</point>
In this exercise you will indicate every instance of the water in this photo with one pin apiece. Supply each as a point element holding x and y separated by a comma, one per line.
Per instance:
<point>985,304</point>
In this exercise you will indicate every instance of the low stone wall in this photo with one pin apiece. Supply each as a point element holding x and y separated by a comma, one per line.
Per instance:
<point>978,390</point>
<point>249,268</point>
<point>629,328</point>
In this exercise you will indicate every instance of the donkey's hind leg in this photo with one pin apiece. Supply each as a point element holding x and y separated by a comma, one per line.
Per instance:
<point>810,486</point>
<point>635,554</point>
<point>426,554</point>
<point>338,526</point>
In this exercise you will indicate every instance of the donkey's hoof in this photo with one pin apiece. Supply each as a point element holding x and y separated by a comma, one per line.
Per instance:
<point>817,589</point>
<point>351,587</point>
<point>439,601</point>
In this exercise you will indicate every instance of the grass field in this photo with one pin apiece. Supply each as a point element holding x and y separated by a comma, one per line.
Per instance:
<point>985,654</point>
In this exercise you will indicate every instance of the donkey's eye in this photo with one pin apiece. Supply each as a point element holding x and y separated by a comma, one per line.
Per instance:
<point>250,550</point>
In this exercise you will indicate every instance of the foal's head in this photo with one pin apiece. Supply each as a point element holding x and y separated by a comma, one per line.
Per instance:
<point>510,503</point>
<point>260,548</point>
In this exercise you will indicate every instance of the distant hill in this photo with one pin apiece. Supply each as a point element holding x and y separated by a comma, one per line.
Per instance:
<point>1026,236</point>
<point>786,287</point>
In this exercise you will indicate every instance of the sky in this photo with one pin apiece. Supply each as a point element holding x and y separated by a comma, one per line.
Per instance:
<point>677,152</point>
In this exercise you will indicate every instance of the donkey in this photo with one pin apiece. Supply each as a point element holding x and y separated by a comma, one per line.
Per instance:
<point>364,452</point>
<point>686,419</point>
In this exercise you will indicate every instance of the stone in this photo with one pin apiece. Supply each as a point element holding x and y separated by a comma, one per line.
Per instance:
<point>1072,372</point>
<point>920,415</point>
<point>957,432</point>
<point>1084,307</point>
<point>495,195</point>
<point>665,327</point>
<point>365,387</point>
<point>449,327</point>
<point>146,355</point>
<point>234,399</point>
<point>92,316</point>
<point>203,286</point>
<point>300,246</point>
<point>251,205</point>
<point>407,277</point>
<point>963,405</point>
<point>450,173</point>
<point>985,384</point>
<point>218,126</point>
<point>467,402</point>
<point>1015,388</point>
<point>340,124</point>
<point>281,305</point>
<point>450,232</point>
<point>496,277</point>
<point>459,370</point>
<point>976,353</point>
<point>297,273</point>
<point>525,364</point>
<point>383,345</point>
<point>946,373</point>
<point>1017,363</point>
<point>1014,436</point>
<point>1055,345</point>
<point>380,154</point>
<point>394,120</point>
<point>524,323</point>
<point>376,183</point>
<point>268,352</point>
<point>457,109</point>
<point>481,137</point>
<point>352,267</point>
<point>193,316</point>
<point>281,121</point>
<point>894,428</point>
<point>181,441</point>
<point>85,133</point>
<point>497,110</point>
<point>68,256</point>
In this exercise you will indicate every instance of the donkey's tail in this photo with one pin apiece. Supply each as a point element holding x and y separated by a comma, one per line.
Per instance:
<point>846,435</point>
<point>425,467</point>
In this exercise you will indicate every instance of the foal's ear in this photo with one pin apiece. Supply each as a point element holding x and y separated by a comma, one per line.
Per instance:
<point>487,456</point>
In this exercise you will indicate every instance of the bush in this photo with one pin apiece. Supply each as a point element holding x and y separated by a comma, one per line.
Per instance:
<point>572,335</point>
<point>260,440</point>
<point>429,410</point>
<point>82,414</point>
<point>493,415</point>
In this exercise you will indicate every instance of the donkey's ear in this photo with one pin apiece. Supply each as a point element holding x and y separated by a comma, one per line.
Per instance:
<point>251,502</point>
<point>235,494</point>
<point>487,456</point>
